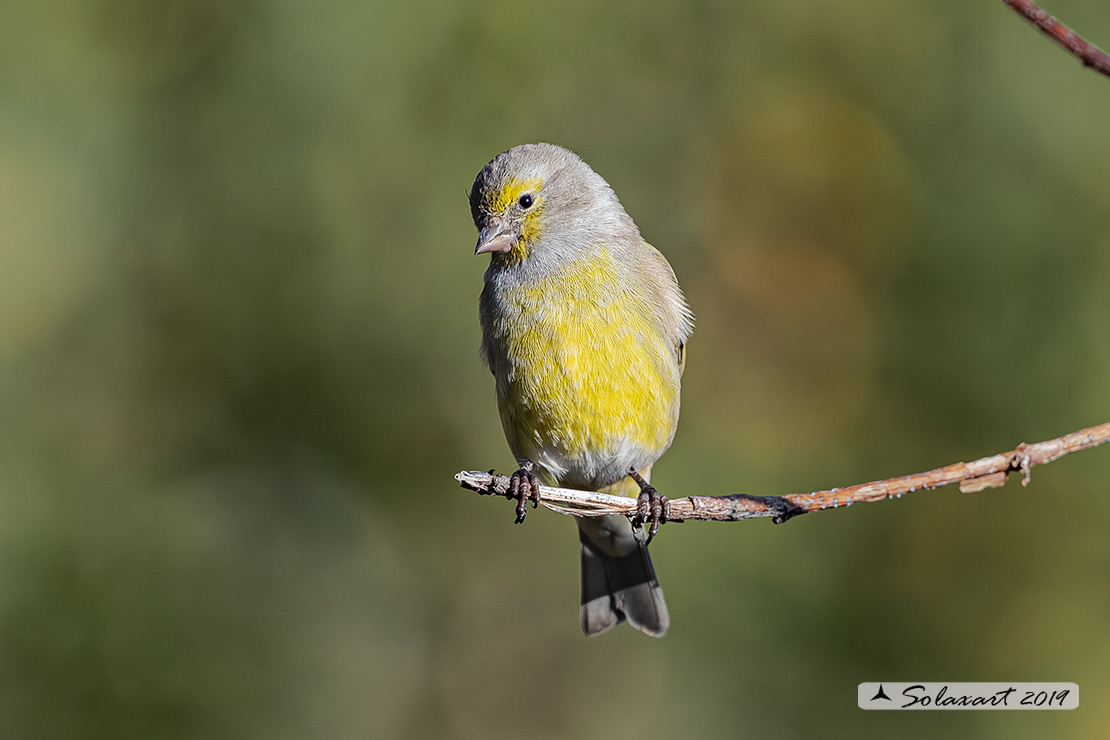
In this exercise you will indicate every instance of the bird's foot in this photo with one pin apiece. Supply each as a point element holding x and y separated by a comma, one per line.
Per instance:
<point>651,506</point>
<point>524,487</point>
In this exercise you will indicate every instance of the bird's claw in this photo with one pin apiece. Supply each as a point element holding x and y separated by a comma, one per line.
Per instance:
<point>523,487</point>
<point>651,506</point>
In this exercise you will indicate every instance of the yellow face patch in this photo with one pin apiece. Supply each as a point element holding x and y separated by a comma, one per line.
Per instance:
<point>500,200</point>
<point>530,229</point>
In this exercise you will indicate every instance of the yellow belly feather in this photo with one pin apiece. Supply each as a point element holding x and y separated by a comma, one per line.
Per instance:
<point>587,372</point>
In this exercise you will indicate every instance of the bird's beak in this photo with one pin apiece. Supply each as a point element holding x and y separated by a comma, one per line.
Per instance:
<point>494,238</point>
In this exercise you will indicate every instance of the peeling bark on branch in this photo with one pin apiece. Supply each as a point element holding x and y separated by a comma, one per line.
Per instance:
<point>986,472</point>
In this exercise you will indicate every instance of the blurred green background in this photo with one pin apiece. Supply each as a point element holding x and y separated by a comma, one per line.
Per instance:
<point>238,365</point>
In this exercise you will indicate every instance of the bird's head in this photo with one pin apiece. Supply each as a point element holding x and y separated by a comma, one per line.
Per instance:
<point>541,197</point>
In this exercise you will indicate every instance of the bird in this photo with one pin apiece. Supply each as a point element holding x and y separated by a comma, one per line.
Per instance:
<point>584,327</point>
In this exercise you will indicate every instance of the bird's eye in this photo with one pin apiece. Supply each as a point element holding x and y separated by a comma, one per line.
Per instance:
<point>526,200</point>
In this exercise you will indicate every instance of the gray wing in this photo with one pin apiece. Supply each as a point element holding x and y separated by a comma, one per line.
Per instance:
<point>674,313</point>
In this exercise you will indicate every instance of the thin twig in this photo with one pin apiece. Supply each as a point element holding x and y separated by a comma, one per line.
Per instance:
<point>987,472</point>
<point>1088,54</point>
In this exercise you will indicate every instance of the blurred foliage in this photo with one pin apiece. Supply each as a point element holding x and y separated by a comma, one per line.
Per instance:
<point>238,365</point>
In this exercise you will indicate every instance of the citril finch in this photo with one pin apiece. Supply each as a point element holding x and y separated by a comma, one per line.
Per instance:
<point>584,327</point>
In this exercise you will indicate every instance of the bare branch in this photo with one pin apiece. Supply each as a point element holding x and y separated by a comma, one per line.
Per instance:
<point>1088,54</point>
<point>987,472</point>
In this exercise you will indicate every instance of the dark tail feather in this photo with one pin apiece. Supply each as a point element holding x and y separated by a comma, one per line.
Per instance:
<point>615,589</point>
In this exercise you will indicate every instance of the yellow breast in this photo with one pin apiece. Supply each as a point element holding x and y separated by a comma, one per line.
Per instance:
<point>586,381</point>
